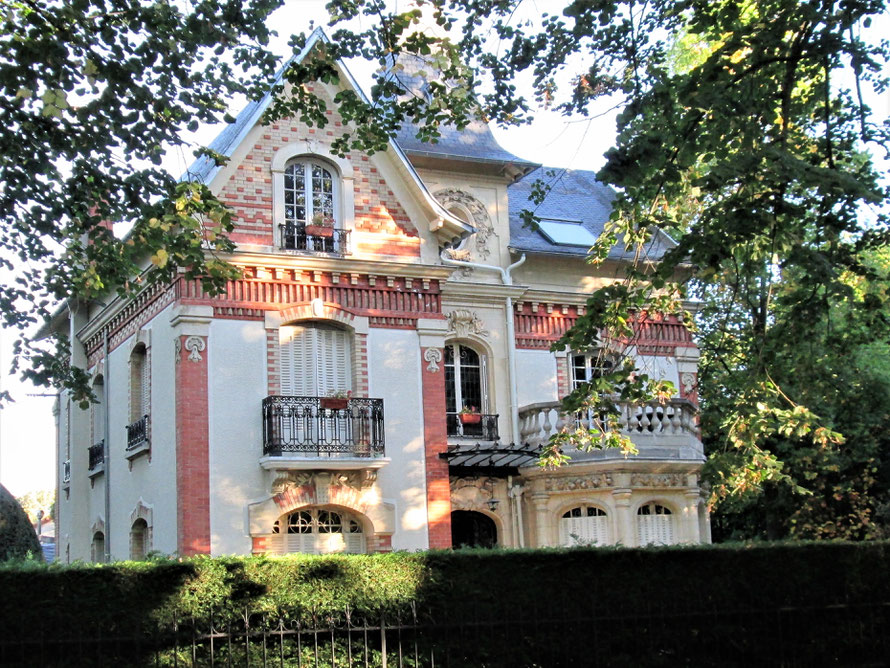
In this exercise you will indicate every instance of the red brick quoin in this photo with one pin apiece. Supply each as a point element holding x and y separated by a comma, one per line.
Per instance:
<point>438,488</point>
<point>192,447</point>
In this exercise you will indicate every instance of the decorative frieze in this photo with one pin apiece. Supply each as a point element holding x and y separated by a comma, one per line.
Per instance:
<point>471,493</point>
<point>578,483</point>
<point>658,480</point>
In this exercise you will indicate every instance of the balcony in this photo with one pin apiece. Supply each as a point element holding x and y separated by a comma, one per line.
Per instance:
<point>96,458</point>
<point>663,431</point>
<point>295,238</point>
<point>318,432</point>
<point>478,426</point>
<point>138,438</point>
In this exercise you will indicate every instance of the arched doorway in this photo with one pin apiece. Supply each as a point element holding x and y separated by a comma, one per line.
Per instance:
<point>472,529</point>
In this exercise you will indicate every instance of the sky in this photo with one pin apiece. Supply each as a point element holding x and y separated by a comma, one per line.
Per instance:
<point>27,428</point>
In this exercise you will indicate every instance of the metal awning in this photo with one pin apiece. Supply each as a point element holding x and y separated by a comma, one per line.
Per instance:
<point>494,459</point>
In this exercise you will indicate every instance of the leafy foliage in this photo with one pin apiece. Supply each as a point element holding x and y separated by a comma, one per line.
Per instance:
<point>92,93</point>
<point>737,137</point>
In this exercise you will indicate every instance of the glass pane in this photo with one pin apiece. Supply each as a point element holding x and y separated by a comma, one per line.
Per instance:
<point>329,522</point>
<point>300,522</point>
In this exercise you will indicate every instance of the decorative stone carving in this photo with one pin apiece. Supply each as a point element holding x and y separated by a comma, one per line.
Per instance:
<point>288,479</point>
<point>177,348</point>
<point>658,480</point>
<point>471,493</point>
<point>592,481</point>
<point>195,345</point>
<point>687,380</point>
<point>433,356</point>
<point>357,480</point>
<point>479,214</point>
<point>463,323</point>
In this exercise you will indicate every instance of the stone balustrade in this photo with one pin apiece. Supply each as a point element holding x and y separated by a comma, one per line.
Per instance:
<point>652,424</point>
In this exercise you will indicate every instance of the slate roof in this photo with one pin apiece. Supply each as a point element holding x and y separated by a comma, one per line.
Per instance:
<point>475,142</point>
<point>575,195</point>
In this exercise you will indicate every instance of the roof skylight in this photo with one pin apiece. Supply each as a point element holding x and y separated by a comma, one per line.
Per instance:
<point>566,232</point>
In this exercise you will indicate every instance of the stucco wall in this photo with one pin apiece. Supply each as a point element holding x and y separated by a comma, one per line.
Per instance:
<point>394,375</point>
<point>236,388</point>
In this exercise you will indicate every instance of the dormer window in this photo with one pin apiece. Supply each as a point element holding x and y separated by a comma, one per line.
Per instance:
<point>310,208</point>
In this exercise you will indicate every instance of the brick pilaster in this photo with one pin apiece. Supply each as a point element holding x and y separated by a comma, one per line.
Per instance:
<point>438,489</point>
<point>192,447</point>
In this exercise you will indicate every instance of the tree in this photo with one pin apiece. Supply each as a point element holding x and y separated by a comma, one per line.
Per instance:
<point>33,502</point>
<point>748,149</point>
<point>92,92</point>
<point>17,537</point>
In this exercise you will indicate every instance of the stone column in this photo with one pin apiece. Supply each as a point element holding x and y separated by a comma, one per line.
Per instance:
<point>191,326</point>
<point>542,519</point>
<point>623,519</point>
<point>690,515</point>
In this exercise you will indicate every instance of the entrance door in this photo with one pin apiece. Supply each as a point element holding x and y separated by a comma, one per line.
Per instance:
<point>472,529</point>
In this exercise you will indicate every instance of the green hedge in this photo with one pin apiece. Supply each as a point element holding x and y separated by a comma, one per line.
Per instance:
<point>778,604</point>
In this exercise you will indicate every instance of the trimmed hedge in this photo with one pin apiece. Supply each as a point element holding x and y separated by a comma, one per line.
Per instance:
<point>773,604</point>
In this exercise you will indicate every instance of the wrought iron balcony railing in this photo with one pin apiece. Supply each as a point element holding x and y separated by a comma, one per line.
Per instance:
<point>137,433</point>
<point>479,426</point>
<point>294,237</point>
<point>66,471</point>
<point>97,455</point>
<point>318,427</point>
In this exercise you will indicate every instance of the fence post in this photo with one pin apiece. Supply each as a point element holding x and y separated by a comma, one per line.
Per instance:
<point>383,642</point>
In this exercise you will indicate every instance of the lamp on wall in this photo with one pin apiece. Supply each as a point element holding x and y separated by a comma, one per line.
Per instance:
<point>493,504</point>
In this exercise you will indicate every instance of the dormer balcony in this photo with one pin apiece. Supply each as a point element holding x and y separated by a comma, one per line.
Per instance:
<point>314,239</point>
<point>323,433</point>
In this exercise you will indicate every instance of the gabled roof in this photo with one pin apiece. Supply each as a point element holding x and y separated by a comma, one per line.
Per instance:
<point>473,144</point>
<point>575,195</point>
<point>204,169</point>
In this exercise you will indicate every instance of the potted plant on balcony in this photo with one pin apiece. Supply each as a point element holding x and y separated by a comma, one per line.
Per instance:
<point>469,415</point>
<point>336,400</point>
<point>321,226</point>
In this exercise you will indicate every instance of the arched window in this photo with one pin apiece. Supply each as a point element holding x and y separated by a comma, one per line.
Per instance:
<point>465,389</point>
<point>316,360</point>
<point>97,548</point>
<point>655,525</point>
<point>310,207</point>
<point>317,531</point>
<point>585,525</point>
<point>139,540</point>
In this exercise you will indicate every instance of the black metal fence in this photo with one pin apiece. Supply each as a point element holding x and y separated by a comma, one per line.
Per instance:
<point>304,425</point>
<point>557,632</point>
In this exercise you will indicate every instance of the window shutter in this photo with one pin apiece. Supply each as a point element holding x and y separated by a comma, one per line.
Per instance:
<point>655,529</point>
<point>333,361</point>
<point>297,361</point>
